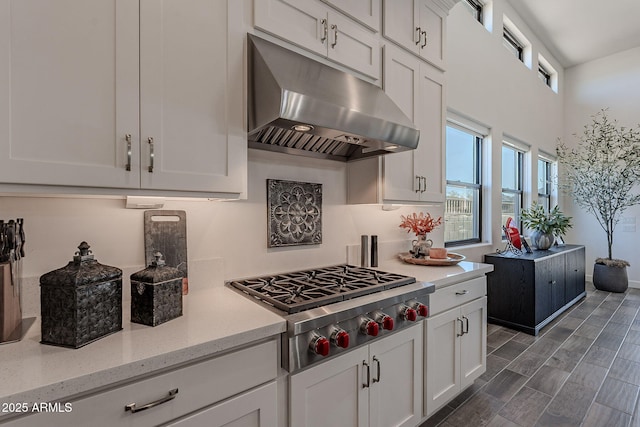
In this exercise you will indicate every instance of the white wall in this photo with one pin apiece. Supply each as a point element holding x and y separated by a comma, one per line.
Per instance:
<point>490,86</point>
<point>612,82</point>
<point>235,231</point>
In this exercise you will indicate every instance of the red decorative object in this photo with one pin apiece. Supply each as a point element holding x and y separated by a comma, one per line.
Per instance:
<point>512,233</point>
<point>420,223</point>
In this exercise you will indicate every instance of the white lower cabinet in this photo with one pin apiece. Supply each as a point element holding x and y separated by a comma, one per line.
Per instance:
<point>455,344</point>
<point>375,385</point>
<point>235,389</point>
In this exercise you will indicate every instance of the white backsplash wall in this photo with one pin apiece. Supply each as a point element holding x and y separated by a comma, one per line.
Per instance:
<point>235,231</point>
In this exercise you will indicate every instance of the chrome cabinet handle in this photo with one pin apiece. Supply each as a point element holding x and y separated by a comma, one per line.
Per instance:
<point>133,407</point>
<point>151,154</point>
<point>418,33</point>
<point>424,33</point>
<point>466,324</point>
<point>459,334</point>
<point>368,383</point>
<point>377,378</point>
<point>424,181</point>
<point>325,31</point>
<point>334,27</point>
<point>464,292</point>
<point>127,138</point>
<point>419,182</point>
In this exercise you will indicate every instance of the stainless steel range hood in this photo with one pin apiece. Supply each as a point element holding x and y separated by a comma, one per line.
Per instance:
<point>300,106</point>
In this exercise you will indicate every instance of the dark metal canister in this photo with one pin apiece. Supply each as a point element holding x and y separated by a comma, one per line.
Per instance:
<point>80,302</point>
<point>156,293</point>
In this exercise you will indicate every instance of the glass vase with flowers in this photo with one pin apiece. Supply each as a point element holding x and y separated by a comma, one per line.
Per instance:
<point>420,224</point>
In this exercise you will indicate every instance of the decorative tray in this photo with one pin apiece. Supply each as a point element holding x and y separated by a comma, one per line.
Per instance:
<point>452,259</point>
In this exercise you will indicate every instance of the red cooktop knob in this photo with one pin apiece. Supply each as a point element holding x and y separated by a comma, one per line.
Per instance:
<point>422,310</point>
<point>320,345</point>
<point>370,327</point>
<point>341,339</point>
<point>387,323</point>
<point>409,314</point>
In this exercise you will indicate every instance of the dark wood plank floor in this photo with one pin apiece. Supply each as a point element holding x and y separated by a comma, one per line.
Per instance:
<point>583,369</point>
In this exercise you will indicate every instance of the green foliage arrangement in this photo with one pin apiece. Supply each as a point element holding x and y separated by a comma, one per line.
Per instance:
<point>554,222</point>
<point>602,171</point>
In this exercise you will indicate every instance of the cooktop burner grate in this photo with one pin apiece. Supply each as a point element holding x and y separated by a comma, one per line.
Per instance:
<point>303,290</point>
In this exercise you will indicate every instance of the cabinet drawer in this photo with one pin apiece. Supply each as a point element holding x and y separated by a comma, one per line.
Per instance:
<point>452,296</point>
<point>199,385</point>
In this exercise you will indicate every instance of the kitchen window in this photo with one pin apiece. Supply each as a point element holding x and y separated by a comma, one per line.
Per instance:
<point>512,44</point>
<point>544,75</point>
<point>475,8</point>
<point>512,183</point>
<point>463,205</point>
<point>544,182</point>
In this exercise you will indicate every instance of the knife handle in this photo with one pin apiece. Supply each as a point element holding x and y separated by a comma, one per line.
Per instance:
<point>22,236</point>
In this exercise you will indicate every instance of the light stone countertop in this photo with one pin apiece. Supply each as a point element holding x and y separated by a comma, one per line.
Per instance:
<point>440,276</point>
<point>215,319</point>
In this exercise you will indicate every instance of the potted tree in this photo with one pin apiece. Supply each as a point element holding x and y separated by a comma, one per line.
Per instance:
<point>546,226</point>
<point>601,174</point>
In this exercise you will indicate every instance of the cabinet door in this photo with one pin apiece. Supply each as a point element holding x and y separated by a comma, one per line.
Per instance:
<point>574,276</point>
<point>191,69</point>
<point>550,295</point>
<point>442,359</point>
<point>402,82</point>
<point>331,394</point>
<point>365,11</point>
<point>432,22</point>
<point>473,344</point>
<point>257,408</point>
<point>353,46</point>
<point>69,92</point>
<point>395,398</point>
<point>400,23</point>
<point>298,21</point>
<point>429,156</point>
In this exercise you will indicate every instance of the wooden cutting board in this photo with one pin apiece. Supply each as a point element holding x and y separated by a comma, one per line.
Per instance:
<point>166,231</point>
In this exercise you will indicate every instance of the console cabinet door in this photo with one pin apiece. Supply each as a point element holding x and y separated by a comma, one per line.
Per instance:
<point>549,282</point>
<point>574,277</point>
<point>69,92</point>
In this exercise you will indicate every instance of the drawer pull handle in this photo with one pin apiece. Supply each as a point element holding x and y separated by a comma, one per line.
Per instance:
<point>127,138</point>
<point>462,292</point>
<point>151,154</point>
<point>134,408</point>
<point>466,324</point>
<point>418,33</point>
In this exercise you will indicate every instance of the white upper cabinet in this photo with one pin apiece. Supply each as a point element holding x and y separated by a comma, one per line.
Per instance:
<point>409,176</point>
<point>418,26</point>
<point>367,12</point>
<point>92,94</point>
<point>67,100</point>
<point>316,27</point>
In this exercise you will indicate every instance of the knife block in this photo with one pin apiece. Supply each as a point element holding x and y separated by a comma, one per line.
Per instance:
<point>10,310</point>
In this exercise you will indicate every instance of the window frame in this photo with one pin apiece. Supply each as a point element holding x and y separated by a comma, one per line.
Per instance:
<point>548,182</point>
<point>476,8</point>
<point>544,75</point>
<point>475,186</point>
<point>519,190</point>
<point>515,44</point>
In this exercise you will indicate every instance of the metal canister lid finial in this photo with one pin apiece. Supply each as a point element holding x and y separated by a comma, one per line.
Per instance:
<point>83,253</point>
<point>159,261</point>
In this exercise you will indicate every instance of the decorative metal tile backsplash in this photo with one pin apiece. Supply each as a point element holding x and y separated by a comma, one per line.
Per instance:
<point>295,213</point>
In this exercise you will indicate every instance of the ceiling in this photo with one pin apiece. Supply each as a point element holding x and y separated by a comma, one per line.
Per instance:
<point>578,31</point>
